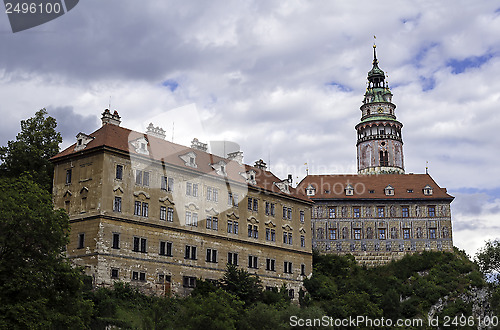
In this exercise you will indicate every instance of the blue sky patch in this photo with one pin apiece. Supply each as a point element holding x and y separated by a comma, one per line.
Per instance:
<point>342,88</point>
<point>422,53</point>
<point>170,84</point>
<point>428,83</point>
<point>459,66</point>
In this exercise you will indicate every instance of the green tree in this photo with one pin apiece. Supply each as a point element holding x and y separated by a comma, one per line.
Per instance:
<point>38,287</point>
<point>216,310</point>
<point>239,282</point>
<point>488,258</point>
<point>37,142</point>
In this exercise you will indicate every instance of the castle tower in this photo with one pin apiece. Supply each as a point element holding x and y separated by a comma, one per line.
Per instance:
<point>380,144</point>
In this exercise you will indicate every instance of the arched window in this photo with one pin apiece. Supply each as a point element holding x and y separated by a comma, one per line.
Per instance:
<point>384,158</point>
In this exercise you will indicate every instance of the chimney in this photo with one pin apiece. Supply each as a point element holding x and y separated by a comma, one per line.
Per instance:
<point>155,131</point>
<point>108,118</point>
<point>260,165</point>
<point>195,144</point>
<point>237,156</point>
<point>290,180</point>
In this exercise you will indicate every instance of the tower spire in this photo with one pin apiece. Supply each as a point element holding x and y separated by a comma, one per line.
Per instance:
<point>380,144</point>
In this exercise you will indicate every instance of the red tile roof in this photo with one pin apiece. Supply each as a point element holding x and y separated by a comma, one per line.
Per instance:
<point>119,138</point>
<point>406,186</point>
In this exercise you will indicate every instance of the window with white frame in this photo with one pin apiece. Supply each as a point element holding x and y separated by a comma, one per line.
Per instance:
<point>167,184</point>
<point>142,178</point>
<point>119,172</point>
<point>165,249</point>
<point>189,281</point>
<point>145,209</point>
<point>170,214</point>
<point>357,233</point>
<point>253,262</point>
<point>253,231</point>
<point>287,267</point>
<point>211,255</point>
<point>270,264</point>
<point>163,213</point>
<point>332,233</point>
<point>190,252</point>
<point>232,258</point>
<point>117,205</point>
<point>139,244</point>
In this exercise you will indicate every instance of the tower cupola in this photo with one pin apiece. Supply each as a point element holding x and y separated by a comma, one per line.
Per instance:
<point>380,143</point>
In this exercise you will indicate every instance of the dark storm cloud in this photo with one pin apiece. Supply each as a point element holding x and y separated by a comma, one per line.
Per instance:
<point>69,122</point>
<point>119,39</point>
<point>103,39</point>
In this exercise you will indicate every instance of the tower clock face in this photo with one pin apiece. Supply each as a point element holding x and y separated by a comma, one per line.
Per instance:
<point>380,110</point>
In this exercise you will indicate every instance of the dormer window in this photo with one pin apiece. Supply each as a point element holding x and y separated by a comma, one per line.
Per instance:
<point>140,145</point>
<point>310,190</point>
<point>249,176</point>
<point>219,167</point>
<point>189,159</point>
<point>349,190</point>
<point>389,190</point>
<point>427,190</point>
<point>82,140</point>
<point>283,186</point>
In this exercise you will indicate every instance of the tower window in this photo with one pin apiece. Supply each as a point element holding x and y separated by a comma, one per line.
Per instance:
<point>384,158</point>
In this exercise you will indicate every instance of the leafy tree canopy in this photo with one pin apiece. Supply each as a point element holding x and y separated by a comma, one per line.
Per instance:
<point>37,142</point>
<point>488,258</point>
<point>38,287</point>
<point>239,282</point>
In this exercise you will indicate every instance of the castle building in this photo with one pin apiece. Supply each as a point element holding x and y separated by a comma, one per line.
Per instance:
<point>160,215</point>
<point>381,213</point>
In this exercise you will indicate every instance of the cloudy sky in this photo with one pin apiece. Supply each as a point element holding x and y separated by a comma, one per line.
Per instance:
<point>284,79</point>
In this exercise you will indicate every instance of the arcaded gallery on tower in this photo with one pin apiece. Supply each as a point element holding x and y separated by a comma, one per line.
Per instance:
<point>381,213</point>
